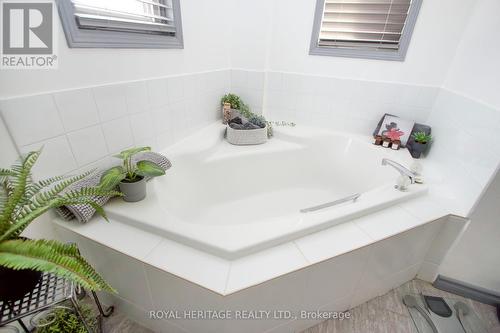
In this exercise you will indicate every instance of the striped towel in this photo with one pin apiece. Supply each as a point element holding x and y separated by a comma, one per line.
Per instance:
<point>83,213</point>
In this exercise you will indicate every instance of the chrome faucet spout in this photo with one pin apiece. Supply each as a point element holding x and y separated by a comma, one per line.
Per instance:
<point>400,168</point>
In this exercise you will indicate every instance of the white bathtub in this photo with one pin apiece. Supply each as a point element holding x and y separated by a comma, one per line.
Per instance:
<point>235,200</point>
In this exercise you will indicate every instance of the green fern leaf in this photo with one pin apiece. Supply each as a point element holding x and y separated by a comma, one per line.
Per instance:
<point>52,257</point>
<point>20,182</point>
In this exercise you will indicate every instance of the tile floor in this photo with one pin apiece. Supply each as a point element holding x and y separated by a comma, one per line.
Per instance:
<point>384,314</point>
<point>387,313</point>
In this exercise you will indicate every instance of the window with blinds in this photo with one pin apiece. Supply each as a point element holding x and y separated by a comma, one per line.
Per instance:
<point>121,23</point>
<point>364,28</point>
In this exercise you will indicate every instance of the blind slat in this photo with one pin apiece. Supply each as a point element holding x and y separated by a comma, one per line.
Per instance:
<point>361,8</point>
<point>373,24</point>
<point>360,45</point>
<point>154,16</point>
<point>365,18</point>
<point>362,27</point>
<point>83,9</point>
<point>106,22</point>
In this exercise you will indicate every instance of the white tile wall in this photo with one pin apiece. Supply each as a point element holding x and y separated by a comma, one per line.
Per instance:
<point>343,104</point>
<point>77,109</point>
<point>249,85</point>
<point>82,127</point>
<point>465,147</point>
<point>118,134</point>
<point>110,101</point>
<point>88,144</point>
<point>54,149</point>
<point>32,119</point>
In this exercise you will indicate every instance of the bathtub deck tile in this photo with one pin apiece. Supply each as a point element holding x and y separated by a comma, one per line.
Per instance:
<point>190,264</point>
<point>118,236</point>
<point>332,242</point>
<point>387,223</point>
<point>263,266</point>
<point>428,208</point>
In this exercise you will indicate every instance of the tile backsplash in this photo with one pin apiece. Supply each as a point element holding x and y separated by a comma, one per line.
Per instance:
<point>343,104</point>
<point>81,127</point>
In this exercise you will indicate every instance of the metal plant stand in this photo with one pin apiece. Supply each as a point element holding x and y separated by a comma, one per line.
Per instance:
<point>50,291</point>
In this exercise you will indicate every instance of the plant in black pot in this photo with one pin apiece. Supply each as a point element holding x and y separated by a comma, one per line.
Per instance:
<point>420,144</point>
<point>131,176</point>
<point>21,201</point>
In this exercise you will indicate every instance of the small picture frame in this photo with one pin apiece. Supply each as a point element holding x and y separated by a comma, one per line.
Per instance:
<point>396,128</point>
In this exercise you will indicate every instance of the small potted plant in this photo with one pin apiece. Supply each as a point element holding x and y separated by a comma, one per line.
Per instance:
<point>130,176</point>
<point>237,107</point>
<point>22,201</point>
<point>420,144</point>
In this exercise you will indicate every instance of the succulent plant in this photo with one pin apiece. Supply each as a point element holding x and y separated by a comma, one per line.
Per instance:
<point>422,137</point>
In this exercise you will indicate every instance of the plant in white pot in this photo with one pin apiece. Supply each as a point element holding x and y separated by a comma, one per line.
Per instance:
<point>131,176</point>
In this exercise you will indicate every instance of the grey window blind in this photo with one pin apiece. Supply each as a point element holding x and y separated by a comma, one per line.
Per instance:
<point>363,24</point>
<point>141,16</point>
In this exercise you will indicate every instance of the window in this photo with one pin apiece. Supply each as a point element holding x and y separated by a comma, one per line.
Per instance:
<point>374,29</point>
<point>122,23</point>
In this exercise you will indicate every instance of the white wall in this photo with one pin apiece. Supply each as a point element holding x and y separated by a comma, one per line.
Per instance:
<point>206,47</point>
<point>473,85</point>
<point>289,22</point>
<point>475,69</point>
<point>474,259</point>
<point>9,153</point>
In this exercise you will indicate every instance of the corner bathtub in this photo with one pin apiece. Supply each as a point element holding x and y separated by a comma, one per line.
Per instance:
<point>235,200</point>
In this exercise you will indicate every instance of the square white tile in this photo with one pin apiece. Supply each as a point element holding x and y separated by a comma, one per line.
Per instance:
<point>332,242</point>
<point>255,80</point>
<point>142,126</point>
<point>110,101</point>
<point>118,134</point>
<point>56,158</point>
<point>136,95</point>
<point>157,92</point>
<point>88,145</point>
<point>31,119</point>
<point>261,266</point>
<point>77,108</point>
<point>239,79</point>
<point>114,266</point>
<point>274,81</point>
<point>190,264</point>
<point>175,88</point>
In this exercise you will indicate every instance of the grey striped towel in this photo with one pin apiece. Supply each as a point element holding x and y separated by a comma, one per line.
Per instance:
<point>83,213</point>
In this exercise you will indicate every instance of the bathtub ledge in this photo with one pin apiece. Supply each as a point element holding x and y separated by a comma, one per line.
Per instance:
<point>226,277</point>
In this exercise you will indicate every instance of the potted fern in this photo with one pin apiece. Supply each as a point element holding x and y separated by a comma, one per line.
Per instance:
<point>420,144</point>
<point>21,201</point>
<point>130,176</point>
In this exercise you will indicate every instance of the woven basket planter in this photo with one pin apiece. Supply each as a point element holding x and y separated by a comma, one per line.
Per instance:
<point>242,137</point>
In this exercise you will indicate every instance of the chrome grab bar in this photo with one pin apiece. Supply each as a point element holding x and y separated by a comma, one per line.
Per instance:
<point>352,198</point>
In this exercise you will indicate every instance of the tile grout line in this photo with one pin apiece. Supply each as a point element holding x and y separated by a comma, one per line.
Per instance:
<point>302,253</point>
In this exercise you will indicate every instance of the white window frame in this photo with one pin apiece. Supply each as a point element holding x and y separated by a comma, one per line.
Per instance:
<point>394,55</point>
<point>86,38</point>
